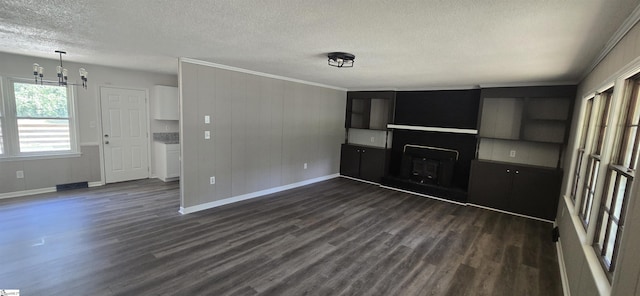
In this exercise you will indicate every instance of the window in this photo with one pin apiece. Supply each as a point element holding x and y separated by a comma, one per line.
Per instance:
<point>620,175</point>
<point>581,150</point>
<point>595,156</point>
<point>38,120</point>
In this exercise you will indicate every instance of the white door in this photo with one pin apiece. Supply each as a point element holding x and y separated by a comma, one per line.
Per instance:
<point>124,134</point>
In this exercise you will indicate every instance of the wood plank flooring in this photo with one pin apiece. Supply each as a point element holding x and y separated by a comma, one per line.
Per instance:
<point>338,237</point>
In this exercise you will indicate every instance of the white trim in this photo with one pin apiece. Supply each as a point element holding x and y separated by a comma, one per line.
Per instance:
<point>424,195</point>
<point>27,192</point>
<point>597,272</point>
<point>40,156</point>
<point>511,213</point>
<point>360,180</point>
<point>238,198</point>
<point>41,190</point>
<point>563,270</point>
<point>525,84</point>
<point>433,129</point>
<point>626,26</point>
<point>96,183</point>
<point>247,71</point>
<point>90,144</point>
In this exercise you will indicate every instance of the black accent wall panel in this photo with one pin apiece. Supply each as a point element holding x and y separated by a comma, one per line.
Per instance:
<point>443,108</point>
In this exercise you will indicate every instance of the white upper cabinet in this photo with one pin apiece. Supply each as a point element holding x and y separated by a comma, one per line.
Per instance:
<point>166,103</point>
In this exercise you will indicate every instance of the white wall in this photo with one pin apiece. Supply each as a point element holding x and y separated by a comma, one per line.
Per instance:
<point>263,130</point>
<point>87,167</point>
<point>583,270</point>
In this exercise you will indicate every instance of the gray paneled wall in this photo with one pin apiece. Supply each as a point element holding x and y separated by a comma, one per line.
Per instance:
<point>575,245</point>
<point>263,130</point>
<point>47,173</point>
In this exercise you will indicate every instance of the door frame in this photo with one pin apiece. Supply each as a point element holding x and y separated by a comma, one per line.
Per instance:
<point>103,173</point>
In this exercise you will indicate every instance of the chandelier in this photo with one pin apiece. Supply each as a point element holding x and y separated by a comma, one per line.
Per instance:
<point>38,72</point>
<point>341,59</point>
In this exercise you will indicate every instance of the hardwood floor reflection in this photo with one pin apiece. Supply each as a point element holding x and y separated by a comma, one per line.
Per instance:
<point>338,237</point>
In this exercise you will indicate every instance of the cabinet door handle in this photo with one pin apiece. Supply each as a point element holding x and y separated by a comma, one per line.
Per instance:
<point>508,171</point>
<point>517,172</point>
<point>363,151</point>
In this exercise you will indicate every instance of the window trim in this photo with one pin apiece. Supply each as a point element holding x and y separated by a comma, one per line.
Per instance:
<point>580,160</point>
<point>10,124</point>
<point>600,126</point>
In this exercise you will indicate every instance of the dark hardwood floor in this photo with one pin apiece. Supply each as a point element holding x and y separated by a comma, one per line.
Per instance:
<point>338,237</point>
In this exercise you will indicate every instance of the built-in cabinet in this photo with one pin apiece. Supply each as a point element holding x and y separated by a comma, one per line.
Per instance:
<point>363,162</point>
<point>526,190</point>
<point>367,115</point>
<point>522,140</point>
<point>369,109</point>
<point>167,160</point>
<point>166,105</point>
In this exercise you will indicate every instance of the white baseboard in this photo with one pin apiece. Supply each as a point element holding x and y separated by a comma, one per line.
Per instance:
<point>96,184</point>
<point>40,190</point>
<point>27,192</point>
<point>563,270</point>
<point>359,180</point>
<point>425,195</point>
<point>238,198</point>
<point>511,213</point>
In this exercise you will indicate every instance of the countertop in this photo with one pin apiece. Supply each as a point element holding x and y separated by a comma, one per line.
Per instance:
<point>166,138</point>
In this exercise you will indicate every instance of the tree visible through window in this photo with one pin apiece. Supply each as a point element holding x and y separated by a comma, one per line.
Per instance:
<point>42,115</point>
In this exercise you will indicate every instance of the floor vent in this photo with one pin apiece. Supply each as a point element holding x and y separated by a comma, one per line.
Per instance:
<point>63,187</point>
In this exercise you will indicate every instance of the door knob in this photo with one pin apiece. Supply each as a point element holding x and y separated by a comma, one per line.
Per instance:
<point>106,142</point>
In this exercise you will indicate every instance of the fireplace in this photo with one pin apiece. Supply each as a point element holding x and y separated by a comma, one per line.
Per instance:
<point>428,165</point>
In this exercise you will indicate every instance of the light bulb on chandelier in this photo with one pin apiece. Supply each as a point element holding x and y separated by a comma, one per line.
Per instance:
<point>62,73</point>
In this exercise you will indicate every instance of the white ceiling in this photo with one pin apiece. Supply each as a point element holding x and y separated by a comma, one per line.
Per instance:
<point>420,44</point>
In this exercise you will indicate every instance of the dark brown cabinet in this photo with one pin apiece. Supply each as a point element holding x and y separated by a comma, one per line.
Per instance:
<point>362,162</point>
<point>526,190</point>
<point>369,109</point>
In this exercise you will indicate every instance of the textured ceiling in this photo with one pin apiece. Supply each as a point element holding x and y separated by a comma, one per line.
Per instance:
<point>398,44</point>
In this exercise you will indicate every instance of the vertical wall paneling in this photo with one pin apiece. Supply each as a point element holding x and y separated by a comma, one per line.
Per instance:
<point>239,123</point>
<point>263,130</point>
<point>221,125</point>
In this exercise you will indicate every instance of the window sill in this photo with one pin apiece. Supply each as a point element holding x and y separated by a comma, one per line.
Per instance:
<point>600,279</point>
<point>40,156</point>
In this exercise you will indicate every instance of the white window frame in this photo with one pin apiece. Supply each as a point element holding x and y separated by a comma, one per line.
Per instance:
<point>10,124</point>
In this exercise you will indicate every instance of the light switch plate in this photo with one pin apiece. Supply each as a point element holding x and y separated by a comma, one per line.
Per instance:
<point>207,119</point>
<point>207,135</point>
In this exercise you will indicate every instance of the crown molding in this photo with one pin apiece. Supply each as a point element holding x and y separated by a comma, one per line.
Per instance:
<point>626,26</point>
<point>241,70</point>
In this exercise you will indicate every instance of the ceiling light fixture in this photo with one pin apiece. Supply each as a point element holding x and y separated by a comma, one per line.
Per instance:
<point>38,72</point>
<point>341,59</point>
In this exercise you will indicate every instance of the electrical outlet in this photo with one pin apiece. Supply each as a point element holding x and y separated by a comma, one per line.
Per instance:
<point>207,119</point>
<point>373,139</point>
<point>20,174</point>
<point>305,165</point>
<point>512,153</point>
<point>212,180</point>
<point>207,135</point>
